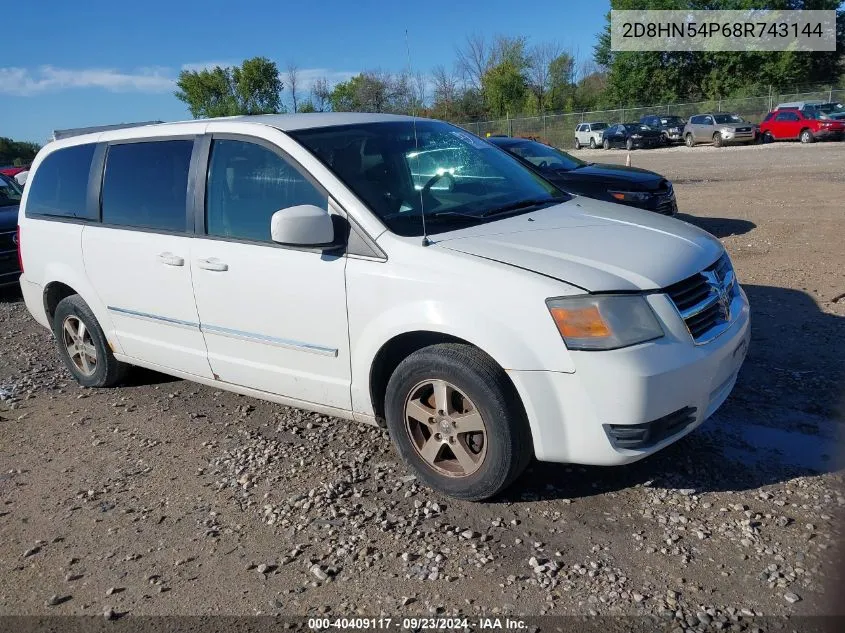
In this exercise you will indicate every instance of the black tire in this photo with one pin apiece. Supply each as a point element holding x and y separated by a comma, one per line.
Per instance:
<point>629,145</point>
<point>768,138</point>
<point>806,136</point>
<point>577,143</point>
<point>689,140</point>
<point>606,144</point>
<point>108,371</point>
<point>592,142</point>
<point>717,139</point>
<point>508,438</point>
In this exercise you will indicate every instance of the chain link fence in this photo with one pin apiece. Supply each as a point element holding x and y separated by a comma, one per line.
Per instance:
<point>559,129</point>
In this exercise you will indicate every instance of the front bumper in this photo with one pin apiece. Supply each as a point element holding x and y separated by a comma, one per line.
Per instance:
<point>738,137</point>
<point>643,143</point>
<point>655,384</point>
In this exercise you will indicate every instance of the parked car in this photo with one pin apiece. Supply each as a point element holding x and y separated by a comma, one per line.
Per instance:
<point>833,110</point>
<point>589,134</point>
<point>671,127</point>
<point>804,125</point>
<point>718,128</point>
<point>614,183</point>
<point>293,258</point>
<point>827,110</point>
<point>10,198</point>
<point>631,136</point>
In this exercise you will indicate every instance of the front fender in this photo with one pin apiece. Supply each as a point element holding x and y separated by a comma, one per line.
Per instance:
<point>511,346</point>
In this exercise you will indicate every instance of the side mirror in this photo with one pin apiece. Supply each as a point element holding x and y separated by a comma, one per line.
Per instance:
<point>302,225</point>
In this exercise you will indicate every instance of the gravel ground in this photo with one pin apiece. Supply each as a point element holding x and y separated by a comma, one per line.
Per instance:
<point>165,497</point>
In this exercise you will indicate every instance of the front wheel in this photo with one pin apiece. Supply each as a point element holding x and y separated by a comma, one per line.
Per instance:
<point>689,140</point>
<point>606,144</point>
<point>629,145</point>
<point>456,420</point>
<point>717,139</point>
<point>807,136</point>
<point>592,143</point>
<point>82,345</point>
<point>577,144</point>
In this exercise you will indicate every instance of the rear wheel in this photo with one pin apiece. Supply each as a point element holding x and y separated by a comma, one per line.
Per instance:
<point>606,144</point>
<point>807,136</point>
<point>689,140</point>
<point>577,143</point>
<point>592,143</point>
<point>456,420</point>
<point>717,140</point>
<point>82,345</point>
<point>768,138</point>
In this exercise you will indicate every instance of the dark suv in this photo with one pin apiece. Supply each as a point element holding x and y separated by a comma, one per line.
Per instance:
<point>10,199</point>
<point>672,127</point>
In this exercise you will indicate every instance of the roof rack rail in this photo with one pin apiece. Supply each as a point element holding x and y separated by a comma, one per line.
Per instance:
<point>58,134</point>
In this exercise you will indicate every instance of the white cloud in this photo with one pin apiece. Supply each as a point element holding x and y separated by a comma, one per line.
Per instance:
<point>27,82</point>
<point>307,77</point>
<point>210,65</point>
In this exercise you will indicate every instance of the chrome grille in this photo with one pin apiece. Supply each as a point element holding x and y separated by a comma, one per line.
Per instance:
<point>704,300</point>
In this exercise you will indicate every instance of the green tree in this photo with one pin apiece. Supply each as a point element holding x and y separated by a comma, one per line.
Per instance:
<point>17,152</point>
<point>636,78</point>
<point>254,87</point>
<point>505,88</point>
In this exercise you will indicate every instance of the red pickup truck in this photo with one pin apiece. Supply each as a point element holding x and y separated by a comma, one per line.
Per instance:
<point>806,126</point>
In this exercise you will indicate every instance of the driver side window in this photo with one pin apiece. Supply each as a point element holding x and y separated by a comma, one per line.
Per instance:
<point>247,184</point>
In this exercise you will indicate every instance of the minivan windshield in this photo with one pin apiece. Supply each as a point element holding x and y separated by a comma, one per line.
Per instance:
<point>404,169</point>
<point>10,193</point>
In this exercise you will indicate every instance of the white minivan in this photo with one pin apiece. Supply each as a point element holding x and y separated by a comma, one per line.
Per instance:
<point>384,269</point>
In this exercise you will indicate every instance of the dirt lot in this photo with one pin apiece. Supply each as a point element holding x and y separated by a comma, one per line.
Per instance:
<point>164,497</point>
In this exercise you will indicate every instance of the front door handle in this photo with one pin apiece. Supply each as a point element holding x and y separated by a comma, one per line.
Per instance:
<point>169,259</point>
<point>212,263</point>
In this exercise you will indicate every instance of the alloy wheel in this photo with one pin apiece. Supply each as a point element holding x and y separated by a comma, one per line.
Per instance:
<point>446,429</point>
<point>80,347</point>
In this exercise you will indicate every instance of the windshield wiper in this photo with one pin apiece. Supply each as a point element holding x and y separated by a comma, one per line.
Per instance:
<point>453,215</point>
<point>521,206</point>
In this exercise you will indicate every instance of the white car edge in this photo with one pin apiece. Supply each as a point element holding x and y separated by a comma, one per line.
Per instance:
<point>570,333</point>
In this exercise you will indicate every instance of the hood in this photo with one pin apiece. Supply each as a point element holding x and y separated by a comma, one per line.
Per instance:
<point>612,175</point>
<point>597,246</point>
<point>8,217</point>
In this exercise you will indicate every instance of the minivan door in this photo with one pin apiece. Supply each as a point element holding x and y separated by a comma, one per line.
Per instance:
<point>138,257</point>
<point>274,318</point>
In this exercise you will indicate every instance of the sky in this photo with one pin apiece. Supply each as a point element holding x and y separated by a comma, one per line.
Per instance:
<point>73,64</point>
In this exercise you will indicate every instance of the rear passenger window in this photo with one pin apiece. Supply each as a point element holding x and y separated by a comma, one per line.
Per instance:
<point>146,185</point>
<point>60,184</point>
<point>247,184</point>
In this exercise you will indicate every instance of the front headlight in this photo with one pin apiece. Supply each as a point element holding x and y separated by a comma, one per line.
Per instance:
<point>603,322</point>
<point>726,130</point>
<point>674,130</point>
<point>630,196</point>
<point>636,135</point>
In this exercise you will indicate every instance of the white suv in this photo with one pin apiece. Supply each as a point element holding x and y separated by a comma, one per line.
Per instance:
<point>589,134</point>
<point>286,258</point>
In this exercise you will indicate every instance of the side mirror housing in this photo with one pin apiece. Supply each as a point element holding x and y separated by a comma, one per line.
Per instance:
<point>302,225</point>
